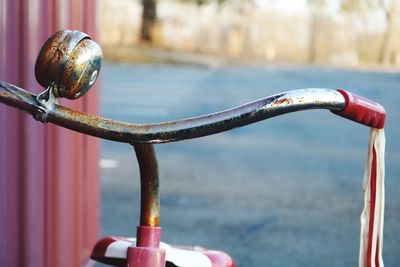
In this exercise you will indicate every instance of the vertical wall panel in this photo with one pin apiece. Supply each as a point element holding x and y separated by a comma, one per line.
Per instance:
<point>48,175</point>
<point>3,198</point>
<point>33,136</point>
<point>91,145</point>
<point>11,234</point>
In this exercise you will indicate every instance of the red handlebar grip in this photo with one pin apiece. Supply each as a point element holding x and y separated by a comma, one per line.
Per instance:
<point>362,110</point>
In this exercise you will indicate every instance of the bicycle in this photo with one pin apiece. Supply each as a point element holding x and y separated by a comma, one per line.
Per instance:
<point>69,64</point>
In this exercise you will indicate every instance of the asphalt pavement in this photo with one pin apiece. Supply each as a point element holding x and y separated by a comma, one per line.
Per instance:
<point>282,192</point>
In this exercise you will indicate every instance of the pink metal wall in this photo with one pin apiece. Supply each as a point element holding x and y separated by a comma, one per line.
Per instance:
<point>48,175</point>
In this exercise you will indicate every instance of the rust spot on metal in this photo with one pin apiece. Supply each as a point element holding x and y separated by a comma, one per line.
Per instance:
<point>284,101</point>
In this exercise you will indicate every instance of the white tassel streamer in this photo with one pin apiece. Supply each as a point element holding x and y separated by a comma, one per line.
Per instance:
<point>372,216</point>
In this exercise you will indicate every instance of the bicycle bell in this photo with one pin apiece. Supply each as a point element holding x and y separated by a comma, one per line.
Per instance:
<point>68,64</point>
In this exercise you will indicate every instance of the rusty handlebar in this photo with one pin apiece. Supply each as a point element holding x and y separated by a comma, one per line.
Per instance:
<point>209,124</point>
<point>366,112</point>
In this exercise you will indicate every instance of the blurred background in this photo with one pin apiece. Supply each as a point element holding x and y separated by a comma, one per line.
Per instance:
<point>340,32</point>
<point>283,192</point>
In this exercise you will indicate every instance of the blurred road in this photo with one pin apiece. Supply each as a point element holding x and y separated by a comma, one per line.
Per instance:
<point>283,192</point>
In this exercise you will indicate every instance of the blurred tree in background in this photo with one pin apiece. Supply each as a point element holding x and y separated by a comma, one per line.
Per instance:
<point>391,12</point>
<point>149,19</point>
<point>149,16</point>
<point>316,35</point>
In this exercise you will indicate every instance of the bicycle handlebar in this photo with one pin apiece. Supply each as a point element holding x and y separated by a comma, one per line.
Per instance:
<point>340,102</point>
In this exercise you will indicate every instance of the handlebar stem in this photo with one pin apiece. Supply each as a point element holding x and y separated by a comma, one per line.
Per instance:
<point>149,183</point>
